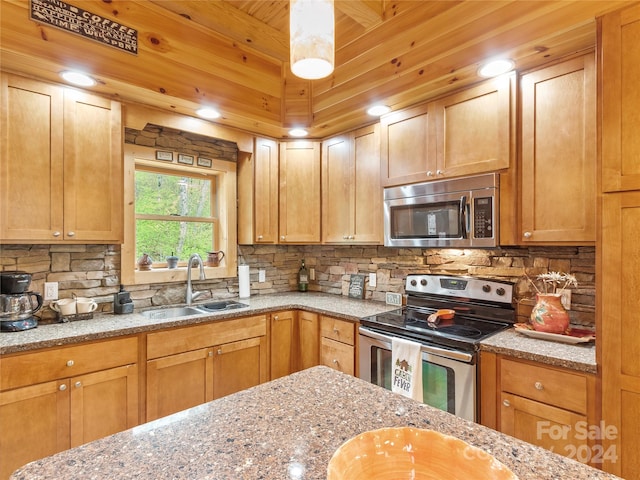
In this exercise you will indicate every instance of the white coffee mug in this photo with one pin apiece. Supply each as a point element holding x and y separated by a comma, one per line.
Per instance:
<point>64,306</point>
<point>86,305</point>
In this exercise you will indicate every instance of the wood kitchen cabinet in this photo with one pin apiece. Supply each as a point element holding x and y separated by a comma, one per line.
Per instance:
<point>558,161</point>
<point>55,399</point>
<point>193,365</point>
<point>299,206</point>
<point>548,406</point>
<point>309,345</point>
<point>619,40</point>
<point>61,165</point>
<point>337,344</point>
<point>466,133</point>
<point>283,343</point>
<point>351,190</point>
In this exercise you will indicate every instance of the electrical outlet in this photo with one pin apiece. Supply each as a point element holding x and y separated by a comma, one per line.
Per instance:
<point>50,290</point>
<point>394,299</point>
<point>373,280</point>
<point>566,299</point>
<point>312,273</point>
<point>262,275</point>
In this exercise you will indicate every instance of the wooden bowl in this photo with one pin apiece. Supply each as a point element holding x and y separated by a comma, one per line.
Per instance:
<point>412,453</point>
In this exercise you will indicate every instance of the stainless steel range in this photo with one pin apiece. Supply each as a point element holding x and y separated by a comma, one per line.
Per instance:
<point>480,308</point>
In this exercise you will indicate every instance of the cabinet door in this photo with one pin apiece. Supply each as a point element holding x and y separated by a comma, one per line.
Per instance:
<point>35,424</point>
<point>620,99</point>
<point>543,425</point>
<point>408,146</point>
<point>367,203</point>
<point>239,365</point>
<point>93,168</point>
<point>337,190</point>
<point>558,178</point>
<point>473,129</point>
<point>283,347</point>
<point>309,344</point>
<point>299,192</point>
<point>31,160</point>
<point>337,355</point>
<point>266,191</point>
<point>619,331</point>
<point>178,382</point>
<point>103,403</point>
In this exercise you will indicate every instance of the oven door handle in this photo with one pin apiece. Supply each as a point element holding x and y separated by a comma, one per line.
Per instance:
<point>442,352</point>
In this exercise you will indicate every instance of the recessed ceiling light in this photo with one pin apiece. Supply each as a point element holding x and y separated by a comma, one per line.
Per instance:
<point>378,110</point>
<point>78,78</point>
<point>496,67</point>
<point>298,132</point>
<point>208,113</point>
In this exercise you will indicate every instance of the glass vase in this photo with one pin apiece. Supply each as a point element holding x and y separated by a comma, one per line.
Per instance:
<point>548,314</point>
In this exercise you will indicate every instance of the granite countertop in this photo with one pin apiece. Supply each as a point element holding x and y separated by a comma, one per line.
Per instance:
<point>285,429</point>
<point>581,357</point>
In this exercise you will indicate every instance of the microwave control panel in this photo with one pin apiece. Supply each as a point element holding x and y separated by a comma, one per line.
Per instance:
<point>483,217</point>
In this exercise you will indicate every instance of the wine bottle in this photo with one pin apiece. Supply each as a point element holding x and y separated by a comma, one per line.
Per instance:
<point>303,278</point>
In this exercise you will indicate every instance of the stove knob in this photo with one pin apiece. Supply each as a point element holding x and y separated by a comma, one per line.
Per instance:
<point>413,283</point>
<point>423,282</point>
<point>500,291</point>
<point>486,288</point>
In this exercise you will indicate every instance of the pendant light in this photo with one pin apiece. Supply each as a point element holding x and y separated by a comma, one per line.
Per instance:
<point>311,30</point>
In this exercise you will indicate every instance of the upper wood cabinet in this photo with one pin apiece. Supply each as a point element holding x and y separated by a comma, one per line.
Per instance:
<point>351,190</point>
<point>465,133</point>
<point>61,165</point>
<point>558,160</point>
<point>619,35</point>
<point>299,220</point>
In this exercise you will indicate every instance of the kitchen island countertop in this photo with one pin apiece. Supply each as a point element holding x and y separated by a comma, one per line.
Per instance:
<point>285,429</point>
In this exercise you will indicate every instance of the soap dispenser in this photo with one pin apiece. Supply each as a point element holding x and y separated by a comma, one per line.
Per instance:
<point>122,302</point>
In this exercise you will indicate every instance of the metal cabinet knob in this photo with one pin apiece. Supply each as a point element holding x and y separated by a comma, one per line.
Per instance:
<point>70,363</point>
<point>336,331</point>
<point>345,237</point>
<point>210,354</point>
<point>538,386</point>
<point>506,403</point>
<point>429,173</point>
<point>439,172</point>
<point>219,351</point>
<point>56,234</point>
<point>335,361</point>
<point>71,234</point>
<point>275,317</point>
<point>62,387</point>
<point>78,384</point>
<point>281,237</point>
<point>259,237</point>
<point>527,234</point>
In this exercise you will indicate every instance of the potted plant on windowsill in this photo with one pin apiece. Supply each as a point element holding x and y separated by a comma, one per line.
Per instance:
<point>548,314</point>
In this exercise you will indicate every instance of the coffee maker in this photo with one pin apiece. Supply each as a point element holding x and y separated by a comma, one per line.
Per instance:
<point>17,304</point>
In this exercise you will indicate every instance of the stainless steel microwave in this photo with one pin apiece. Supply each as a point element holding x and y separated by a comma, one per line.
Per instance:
<point>458,213</point>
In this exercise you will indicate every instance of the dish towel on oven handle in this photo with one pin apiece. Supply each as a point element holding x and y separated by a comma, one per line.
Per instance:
<point>406,362</point>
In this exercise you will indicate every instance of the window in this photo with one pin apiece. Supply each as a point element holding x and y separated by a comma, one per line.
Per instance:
<point>176,210</point>
<point>174,214</point>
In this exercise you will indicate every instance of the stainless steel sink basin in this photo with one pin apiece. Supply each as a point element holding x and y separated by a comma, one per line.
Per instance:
<point>221,305</point>
<point>162,313</point>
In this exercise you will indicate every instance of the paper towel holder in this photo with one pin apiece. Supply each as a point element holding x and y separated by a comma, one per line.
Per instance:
<point>244,281</point>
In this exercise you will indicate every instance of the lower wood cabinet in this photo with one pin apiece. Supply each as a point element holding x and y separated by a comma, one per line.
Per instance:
<point>337,344</point>
<point>193,365</point>
<point>55,399</point>
<point>283,343</point>
<point>308,324</point>
<point>552,407</point>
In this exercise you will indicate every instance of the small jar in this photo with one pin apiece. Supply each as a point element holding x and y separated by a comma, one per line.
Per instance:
<point>145,262</point>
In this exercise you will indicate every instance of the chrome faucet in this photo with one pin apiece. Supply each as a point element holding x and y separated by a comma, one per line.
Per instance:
<point>191,295</point>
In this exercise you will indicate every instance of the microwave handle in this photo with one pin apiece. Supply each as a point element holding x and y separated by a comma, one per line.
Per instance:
<point>464,217</point>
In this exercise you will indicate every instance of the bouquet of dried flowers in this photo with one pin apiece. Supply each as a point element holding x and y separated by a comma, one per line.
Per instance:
<point>554,282</point>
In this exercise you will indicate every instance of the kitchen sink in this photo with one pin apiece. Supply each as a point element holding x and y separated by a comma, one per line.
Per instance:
<point>162,313</point>
<point>221,305</point>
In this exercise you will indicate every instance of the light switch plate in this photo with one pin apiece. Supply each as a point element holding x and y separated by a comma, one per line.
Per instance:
<point>50,291</point>
<point>262,275</point>
<point>373,280</point>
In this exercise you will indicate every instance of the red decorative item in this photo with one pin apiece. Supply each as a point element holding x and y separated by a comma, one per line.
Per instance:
<point>548,314</point>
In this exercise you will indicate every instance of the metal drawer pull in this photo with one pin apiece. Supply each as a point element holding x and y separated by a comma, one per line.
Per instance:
<point>538,386</point>
<point>78,384</point>
<point>335,361</point>
<point>70,363</point>
<point>506,403</point>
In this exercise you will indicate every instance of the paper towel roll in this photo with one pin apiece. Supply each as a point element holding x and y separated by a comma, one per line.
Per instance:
<point>244,282</point>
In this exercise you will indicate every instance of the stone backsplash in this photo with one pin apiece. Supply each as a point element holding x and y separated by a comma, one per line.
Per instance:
<point>94,271</point>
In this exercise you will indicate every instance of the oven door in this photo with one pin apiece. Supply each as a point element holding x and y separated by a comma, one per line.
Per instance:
<point>448,377</point>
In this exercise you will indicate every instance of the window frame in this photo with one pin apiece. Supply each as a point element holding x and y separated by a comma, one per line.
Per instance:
<point>225,228</point>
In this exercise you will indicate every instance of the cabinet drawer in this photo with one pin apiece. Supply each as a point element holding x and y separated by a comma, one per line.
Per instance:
<point>43,366</point>
<point>337,355</point>
<point>562,389</point>
<point>340,330</point>
<point>170,342</point>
